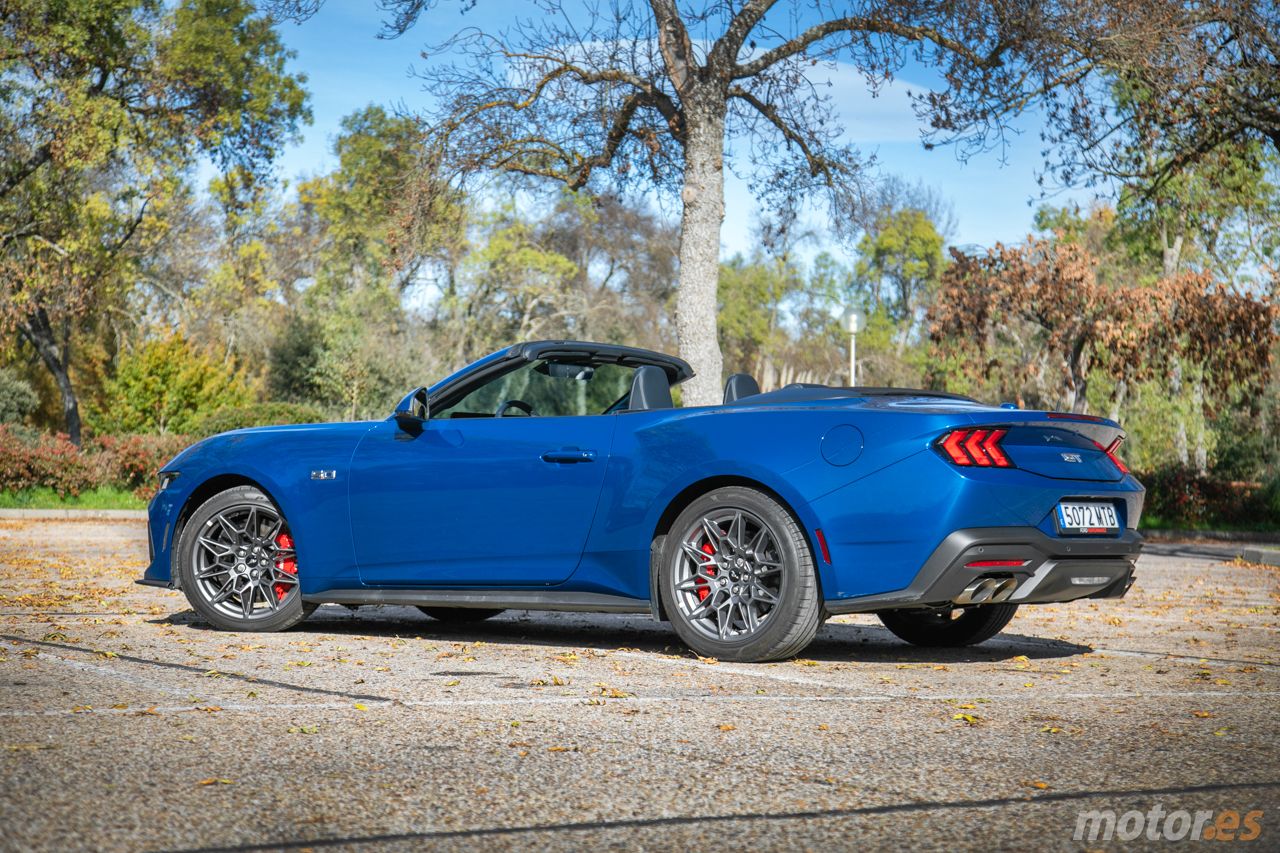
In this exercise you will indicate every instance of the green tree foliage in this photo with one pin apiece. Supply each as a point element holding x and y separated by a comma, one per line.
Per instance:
<point>106,104</point>
<point>652,95</point>
<point>782,325</point>
<point>364,208</point>
<point>899,267</point>
<point>753,295</point>
<point>167,386</point>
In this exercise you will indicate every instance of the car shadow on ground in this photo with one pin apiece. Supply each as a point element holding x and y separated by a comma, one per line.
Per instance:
<point>837,642</point>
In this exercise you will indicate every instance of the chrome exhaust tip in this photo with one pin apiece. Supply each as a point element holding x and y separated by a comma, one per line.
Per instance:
<point>1003,590</point>
<point>977,592</point>
<point>987,591</point>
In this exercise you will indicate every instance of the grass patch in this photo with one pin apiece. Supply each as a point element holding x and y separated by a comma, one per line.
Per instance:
<point>103,497</point>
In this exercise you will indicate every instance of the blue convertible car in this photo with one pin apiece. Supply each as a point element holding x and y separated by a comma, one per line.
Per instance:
<point>557,475</point>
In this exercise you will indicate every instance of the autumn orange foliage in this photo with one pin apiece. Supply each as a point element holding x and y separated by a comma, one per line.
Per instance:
<point>1037,316</point>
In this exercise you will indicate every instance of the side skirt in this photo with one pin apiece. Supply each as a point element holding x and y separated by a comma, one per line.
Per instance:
<point>501,599</point>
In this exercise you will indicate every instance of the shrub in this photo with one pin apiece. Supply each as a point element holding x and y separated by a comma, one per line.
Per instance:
<point>132,461</point>
<point>17,398</point>
<point>165,386</point>
<point>268,414</point>
<point>30,460</point>
<point>49,461</point>
<point>1180,497</point>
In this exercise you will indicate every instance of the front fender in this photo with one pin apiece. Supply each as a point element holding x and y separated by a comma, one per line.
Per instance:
<point>286,464</point>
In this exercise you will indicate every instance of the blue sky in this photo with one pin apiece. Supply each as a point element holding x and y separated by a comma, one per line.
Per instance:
<point>349,67</point>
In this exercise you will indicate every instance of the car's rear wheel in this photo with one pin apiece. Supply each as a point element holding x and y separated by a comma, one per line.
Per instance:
<point>238,563</point>
<point>948,626</point>
<point>737,578</point>
<point>460,614</point>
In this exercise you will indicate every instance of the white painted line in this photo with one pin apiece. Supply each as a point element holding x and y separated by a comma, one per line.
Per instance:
<point>111,673</point>
<point>1172,658</point>
<point>763,671</point>
<point>373,705</point>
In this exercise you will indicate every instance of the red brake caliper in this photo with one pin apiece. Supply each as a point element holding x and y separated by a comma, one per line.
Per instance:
<point>704,589</point>
<point>285,564</point>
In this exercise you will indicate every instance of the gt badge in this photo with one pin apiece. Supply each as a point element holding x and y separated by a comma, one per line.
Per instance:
<point>333,475</point>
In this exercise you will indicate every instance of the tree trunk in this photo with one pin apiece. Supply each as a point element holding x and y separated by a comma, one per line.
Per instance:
<point>696,302</point>
<point>1180,431</point>
<point>1171,253</point>
<point>1202,449</point>
<point>39,331</point>
<point>1117,399</point>
<point>1078,379</point>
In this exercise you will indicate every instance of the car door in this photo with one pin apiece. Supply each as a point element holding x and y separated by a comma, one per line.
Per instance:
<point>478,500</point>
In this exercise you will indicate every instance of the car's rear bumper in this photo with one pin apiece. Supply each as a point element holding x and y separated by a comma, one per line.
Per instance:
<point>1048,569</point>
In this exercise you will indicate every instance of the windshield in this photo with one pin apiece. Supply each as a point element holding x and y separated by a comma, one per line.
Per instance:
<point>546,389</point>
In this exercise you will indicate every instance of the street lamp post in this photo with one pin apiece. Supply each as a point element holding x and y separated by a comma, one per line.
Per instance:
<point>852,317</point>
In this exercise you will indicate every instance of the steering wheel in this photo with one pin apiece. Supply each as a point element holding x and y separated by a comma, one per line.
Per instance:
<point>513,404</point>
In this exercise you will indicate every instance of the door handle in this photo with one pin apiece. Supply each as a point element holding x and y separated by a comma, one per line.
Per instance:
<point>569,454</point>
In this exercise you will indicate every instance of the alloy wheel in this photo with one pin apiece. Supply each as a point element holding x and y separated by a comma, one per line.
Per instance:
<point>727,577</point>
<point>244,561</point>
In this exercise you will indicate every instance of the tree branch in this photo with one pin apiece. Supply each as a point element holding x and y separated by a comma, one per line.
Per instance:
<point>38,158</point>
<point>861,24</point>
<point>674,45</point>
<point>617,130</point>
<point>725,51</point>
<point>817,165</point>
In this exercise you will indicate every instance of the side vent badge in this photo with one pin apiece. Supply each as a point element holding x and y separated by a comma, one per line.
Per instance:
<point>324,475</point>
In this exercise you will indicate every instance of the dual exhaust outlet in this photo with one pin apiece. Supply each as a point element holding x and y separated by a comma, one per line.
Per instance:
<point>987,591</point>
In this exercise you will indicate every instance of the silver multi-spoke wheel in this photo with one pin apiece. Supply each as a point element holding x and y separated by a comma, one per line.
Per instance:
<point>737,578</point>
<point>243,561</point>
<point>727,577</point>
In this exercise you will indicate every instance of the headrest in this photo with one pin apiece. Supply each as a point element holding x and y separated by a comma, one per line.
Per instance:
<point>650,389</point>
<point>740,385</point>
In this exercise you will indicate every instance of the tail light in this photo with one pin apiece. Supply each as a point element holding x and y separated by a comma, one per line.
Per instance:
<point>975,447</point>
<point>1111,454</point>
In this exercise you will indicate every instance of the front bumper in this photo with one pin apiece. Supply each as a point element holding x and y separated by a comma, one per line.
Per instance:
<point>1053,569</point>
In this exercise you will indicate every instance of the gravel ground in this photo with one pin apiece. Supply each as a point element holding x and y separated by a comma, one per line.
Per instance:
<point>127,723</point>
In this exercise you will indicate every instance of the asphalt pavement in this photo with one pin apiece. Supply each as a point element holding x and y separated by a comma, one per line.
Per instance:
<point>126,723</point>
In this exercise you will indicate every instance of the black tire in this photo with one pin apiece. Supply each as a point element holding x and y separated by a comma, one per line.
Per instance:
<point>289,610</point>
<point>459,615</point>
<point>945,629</point>
<point>781,632</point>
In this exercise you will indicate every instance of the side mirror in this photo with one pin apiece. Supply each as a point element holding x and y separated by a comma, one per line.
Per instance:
<point>412,412</point>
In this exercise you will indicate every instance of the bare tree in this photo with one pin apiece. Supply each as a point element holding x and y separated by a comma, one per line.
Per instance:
<point>1178,84</point>
<point>652,94</point>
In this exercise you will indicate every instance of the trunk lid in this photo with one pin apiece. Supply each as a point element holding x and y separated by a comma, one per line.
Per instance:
<point>1060,446</point>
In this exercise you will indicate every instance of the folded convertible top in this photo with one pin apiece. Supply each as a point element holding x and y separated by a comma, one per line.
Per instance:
<point>800,392</point>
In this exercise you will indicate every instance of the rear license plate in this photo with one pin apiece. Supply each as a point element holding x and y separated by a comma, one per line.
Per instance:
<point>1080,517</point>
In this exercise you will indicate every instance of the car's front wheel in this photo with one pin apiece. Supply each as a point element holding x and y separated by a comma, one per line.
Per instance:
<point>737,578</point>
<point>948,626</point>
<point>238,563</point>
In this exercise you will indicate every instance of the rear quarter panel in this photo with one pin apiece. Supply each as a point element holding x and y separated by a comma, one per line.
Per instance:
<point>658,455</point>
<point>882,512</point>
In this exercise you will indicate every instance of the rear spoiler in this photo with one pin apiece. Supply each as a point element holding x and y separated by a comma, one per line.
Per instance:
<point>1104,431</point>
